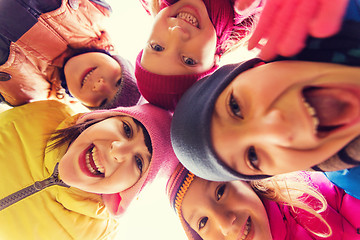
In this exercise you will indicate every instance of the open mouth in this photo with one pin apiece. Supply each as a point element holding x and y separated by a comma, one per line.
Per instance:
<point>93,166</point>
<point>331,108</point>
<point>247,229</point>
<point>86,75</point>
<point>189,18</point>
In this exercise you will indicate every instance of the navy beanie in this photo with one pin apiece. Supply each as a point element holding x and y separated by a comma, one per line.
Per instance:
<point>191,126</point>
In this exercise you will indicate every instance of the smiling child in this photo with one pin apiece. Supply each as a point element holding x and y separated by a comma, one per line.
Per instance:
<point>89,170</point>
<point>252,120</point>
<point>286,207</point>
<point>187,40</point>
<point>39,37</point>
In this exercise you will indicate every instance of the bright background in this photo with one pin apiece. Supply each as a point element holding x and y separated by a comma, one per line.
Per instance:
<point>150,216</point>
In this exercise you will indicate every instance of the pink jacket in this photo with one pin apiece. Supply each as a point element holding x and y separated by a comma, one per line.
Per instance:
<point>35,59</point>
<point>342,214</point>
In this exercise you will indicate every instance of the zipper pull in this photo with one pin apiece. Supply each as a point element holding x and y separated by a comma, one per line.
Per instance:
<point>50,181</point>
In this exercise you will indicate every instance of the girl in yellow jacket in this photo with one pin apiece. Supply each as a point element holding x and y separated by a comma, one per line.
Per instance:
<point>70,184</point>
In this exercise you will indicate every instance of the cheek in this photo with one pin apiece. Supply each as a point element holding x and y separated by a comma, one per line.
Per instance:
<point>124,178</point>
<point>207,44</point>
<point>67,167</point>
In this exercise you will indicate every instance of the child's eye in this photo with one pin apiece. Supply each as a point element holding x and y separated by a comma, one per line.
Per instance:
<point>103,103</point>
<point>156,47</point>
<point>220,191</point>
<point>234,107</point>
<point>202,222</point>
<point>117,84</point>
<point>139,163</point>
<point>189,61</point>
<point>127,130</point>
<point>252,157</point>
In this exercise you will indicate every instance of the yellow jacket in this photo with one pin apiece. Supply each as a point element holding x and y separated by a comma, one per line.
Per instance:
<point>56,212</point>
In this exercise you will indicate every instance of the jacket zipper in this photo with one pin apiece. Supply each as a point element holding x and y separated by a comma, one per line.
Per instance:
<point>36,187</point>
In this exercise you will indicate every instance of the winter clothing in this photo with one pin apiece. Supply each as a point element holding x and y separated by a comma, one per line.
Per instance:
<point>163,160</point>
<point>31,164</point>
<point>55,212</point>
<point>32,69</point>
<point>128,93</point>
<point>341,213</point>
<point>165,91</point>
<point>342,48</point>
<point>347,179</point>
<point>192,145</point>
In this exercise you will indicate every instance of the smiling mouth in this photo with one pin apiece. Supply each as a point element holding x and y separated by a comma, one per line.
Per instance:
<point>189,18</point>
<point>92,162</point>
<point>86,76</point>
<point>330,108</point>
<point>246,230</point>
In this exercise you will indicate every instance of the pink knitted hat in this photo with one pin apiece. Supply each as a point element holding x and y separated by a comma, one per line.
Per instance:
<point>163,161</point>
<point>176,189</point>
<point>164,90</point>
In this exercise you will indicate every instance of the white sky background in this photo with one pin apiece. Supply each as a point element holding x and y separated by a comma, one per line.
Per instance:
<point>149,217</point>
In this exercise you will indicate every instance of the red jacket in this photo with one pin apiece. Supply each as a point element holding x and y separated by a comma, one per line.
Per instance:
<point>35,59</point>
<point>342,214</point>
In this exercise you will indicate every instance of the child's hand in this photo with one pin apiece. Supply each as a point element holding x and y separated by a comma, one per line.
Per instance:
<point>287,23</point>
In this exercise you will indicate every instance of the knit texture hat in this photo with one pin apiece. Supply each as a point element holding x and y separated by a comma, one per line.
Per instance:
<point>164,90</point>
<point>163,160</point>
<point>191,126</point>
<point>176,189</point>
<point>128,93</point>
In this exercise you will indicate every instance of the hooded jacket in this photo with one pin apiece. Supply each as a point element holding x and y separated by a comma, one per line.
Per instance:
<point>35,58</point>
<point>57,211</point>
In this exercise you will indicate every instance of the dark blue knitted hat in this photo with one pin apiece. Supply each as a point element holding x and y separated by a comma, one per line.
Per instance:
<point>191,126</point>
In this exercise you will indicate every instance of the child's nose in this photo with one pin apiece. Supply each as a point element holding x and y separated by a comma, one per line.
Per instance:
<point>99,85</point>
<point>179,33</point>
<point>276,129</point>
<point>225,221</point>
<point>120,151</point>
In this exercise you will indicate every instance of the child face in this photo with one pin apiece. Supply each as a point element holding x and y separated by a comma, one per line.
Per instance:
<point>108,157</point>
<point>93,78</point>
<point>182,41</point>
<point>286,116</point>
<point>225,210</point>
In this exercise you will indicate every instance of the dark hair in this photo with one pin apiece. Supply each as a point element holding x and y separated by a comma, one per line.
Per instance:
<point>76,52</point>
<point>69,134</point>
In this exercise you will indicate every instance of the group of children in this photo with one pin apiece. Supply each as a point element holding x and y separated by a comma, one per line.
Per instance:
<point>236,129</point>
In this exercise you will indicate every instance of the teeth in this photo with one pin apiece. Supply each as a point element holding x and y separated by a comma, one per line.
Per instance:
<point>99,167</point>
<point>93,171</point>
<point>247,229</point>
<point>312,113</point>
<point>188,18</point>
<point>87,76</point>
